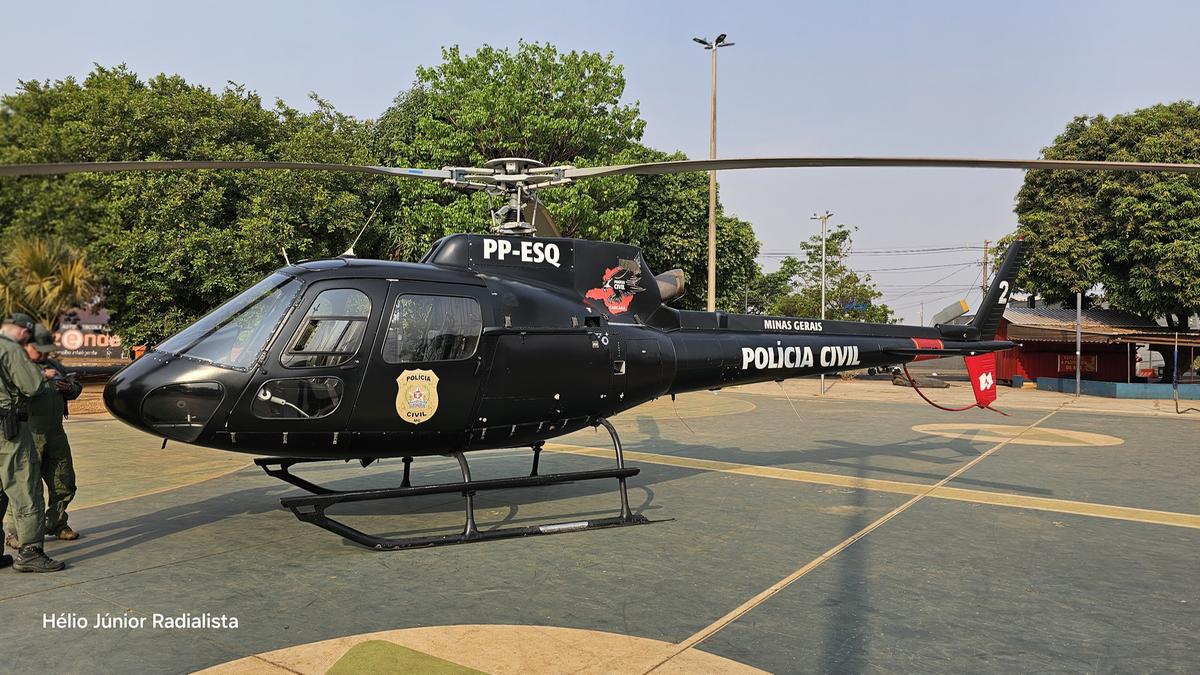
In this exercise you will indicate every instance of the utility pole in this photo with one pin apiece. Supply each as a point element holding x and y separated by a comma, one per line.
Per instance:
<point>983,283</point>
<point>712,175</point>
<point>824,218</point>
<point>921,316</point>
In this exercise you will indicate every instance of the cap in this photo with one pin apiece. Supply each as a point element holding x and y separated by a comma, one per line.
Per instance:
<point>43,340</point>
<point>21,319</point>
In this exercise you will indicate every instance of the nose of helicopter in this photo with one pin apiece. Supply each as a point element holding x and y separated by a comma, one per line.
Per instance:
<point>121,407</point>
<point>165,396</point>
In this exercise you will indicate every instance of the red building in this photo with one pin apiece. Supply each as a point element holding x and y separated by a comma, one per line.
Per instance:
<point>1045,337</point>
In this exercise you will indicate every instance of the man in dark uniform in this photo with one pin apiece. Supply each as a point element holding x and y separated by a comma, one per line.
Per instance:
<point>20,478</point>
<point>46,413</point>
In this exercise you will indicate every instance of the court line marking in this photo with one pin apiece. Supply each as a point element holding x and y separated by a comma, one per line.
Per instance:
<point>739,611</point>
<point>167,488</point>
<point>1008,499</point>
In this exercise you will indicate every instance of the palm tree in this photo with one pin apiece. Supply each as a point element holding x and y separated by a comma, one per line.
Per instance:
<point>45,277</point>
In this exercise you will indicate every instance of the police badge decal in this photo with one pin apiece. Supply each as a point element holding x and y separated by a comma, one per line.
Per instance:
<point>416,395</point>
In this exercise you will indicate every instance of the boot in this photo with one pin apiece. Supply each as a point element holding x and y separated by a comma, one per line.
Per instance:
<point>7,560</point>
<point>31,558</point>
<point>66,534</point>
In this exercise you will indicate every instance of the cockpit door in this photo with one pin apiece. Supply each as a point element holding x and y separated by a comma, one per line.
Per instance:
<point>311,376</point>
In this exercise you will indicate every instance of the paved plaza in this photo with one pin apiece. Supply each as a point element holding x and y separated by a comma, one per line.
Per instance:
<point>859,531</point>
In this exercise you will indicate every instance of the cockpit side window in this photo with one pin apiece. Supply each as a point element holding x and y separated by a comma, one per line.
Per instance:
<point>426,328</point>
<point>331,331</point>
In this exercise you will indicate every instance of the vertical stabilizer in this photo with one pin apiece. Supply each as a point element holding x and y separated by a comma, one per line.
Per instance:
<point>987,318</point>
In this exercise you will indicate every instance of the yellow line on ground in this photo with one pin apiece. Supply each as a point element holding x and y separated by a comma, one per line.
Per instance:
<point>1009,499</point>
<point>749,469</point>
<point>711,629</point>
<point>167,488</point>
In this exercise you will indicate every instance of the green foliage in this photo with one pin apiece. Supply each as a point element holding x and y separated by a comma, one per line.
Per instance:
<point>45,277</point>
<point>534,103</point>
<point>671,221</point>
<point>557,108</point>
<point>767,289</point>
<point>795,289</point>
<point>170,246</point>
<point>1135,235</point>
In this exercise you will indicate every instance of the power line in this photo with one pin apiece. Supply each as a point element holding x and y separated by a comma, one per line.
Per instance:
<point>921,267</point>
<point>910,268</point>
<point>882,251</point>
<point>964,291</point>
<point>902,287</point>
<point>930,301</point>
<point>956,271</point>
<point>914,251</point>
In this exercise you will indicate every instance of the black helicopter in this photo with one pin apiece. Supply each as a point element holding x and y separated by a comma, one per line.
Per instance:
<point>492,341</point>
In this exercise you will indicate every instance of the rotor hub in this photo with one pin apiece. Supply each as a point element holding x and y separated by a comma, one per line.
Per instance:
<point>512,165</point>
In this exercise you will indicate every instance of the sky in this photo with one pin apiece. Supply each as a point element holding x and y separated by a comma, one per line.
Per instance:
<point>802,79</point>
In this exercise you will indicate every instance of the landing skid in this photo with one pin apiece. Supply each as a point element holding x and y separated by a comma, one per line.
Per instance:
<point>311,509</point>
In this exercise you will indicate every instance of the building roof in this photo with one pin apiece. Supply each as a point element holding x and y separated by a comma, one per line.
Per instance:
<point>1051,322</point>
<point>1050,315</point>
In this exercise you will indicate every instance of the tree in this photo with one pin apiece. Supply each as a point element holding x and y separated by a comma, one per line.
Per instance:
<point>45,277</point>
<point>766,289</point>
<point>170,246</point>
<point>558,108</point>
<point>1133,237</point>
<point>795,289</point>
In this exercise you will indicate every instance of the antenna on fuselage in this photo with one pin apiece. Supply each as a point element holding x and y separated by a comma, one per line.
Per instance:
<point>349,253</point>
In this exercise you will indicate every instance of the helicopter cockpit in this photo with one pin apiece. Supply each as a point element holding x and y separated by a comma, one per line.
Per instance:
<point>299,347</point>
<point>235,333</point>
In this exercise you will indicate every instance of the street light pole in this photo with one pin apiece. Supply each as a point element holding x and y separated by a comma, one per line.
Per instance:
<point>1078,339</point>
<point>824,218</point>
<point>712,175</point>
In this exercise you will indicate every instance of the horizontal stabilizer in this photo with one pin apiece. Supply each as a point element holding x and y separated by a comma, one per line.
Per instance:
<point>938,352</point>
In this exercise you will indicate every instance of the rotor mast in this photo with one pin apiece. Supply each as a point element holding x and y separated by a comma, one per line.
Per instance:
<point>519,179</point>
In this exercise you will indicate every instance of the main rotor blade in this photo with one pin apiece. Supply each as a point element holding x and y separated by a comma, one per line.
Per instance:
<point>112,167</point>
<point>687,165</point>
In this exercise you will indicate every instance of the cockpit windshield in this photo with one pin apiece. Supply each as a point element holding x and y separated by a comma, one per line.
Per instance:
<point>235,333</point>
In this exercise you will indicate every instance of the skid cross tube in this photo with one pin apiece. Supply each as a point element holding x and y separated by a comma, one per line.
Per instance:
<point>278,467</point>
<point>311,508</point>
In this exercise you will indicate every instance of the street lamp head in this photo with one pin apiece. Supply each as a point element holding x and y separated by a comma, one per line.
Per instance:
<point>720,38</point>
<point>703,42</point>
<point>727,44</point>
